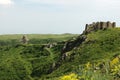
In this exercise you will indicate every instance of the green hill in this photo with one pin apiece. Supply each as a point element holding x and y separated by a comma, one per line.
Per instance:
<point>34,38</point>
<point>96,57</point>
<point>101,49</point>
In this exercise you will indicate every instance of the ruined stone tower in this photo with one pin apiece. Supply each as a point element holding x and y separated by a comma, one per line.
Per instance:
<point>98,26</point>
<point>24,39</point>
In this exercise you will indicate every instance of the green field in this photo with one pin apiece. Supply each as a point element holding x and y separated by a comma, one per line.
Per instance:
<point>96,58</point>
<point>35,38</point>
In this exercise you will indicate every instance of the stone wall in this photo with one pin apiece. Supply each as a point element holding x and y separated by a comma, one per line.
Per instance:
<point>98,26</point>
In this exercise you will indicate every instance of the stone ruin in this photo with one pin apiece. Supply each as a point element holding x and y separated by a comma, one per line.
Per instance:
<point>98,26</point>
<point>69,45</point>
<point>24,39</point>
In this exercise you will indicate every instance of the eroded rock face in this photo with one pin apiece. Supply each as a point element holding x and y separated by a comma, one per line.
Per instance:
<point>98,26</point>
<point>69,45</point>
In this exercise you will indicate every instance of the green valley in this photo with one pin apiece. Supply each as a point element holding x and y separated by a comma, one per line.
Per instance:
<point>92,55</point>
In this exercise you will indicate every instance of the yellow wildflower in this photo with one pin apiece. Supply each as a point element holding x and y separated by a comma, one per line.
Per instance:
<point>114,61</point>
<point>88,65</point>
<point>71,76</point>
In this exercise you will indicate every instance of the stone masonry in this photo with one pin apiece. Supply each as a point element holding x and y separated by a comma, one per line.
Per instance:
<point>98,26</point>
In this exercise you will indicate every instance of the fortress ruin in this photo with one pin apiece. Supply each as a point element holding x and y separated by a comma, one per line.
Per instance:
<point>98,26</point>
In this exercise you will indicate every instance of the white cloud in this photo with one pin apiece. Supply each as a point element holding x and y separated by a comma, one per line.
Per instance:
<point>78,2</point>
<point>6,2</point>
<point>1,14</point>
<point>58,2</point>
<point>107,2</point>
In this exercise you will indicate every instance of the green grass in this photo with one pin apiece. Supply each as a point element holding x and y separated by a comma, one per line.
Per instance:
<point>34,61</point>
<point>100,45</point>
<point>13,67</point>
<point>37,36</point>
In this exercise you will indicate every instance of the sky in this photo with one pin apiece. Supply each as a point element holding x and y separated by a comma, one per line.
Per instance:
<point>55,16</point>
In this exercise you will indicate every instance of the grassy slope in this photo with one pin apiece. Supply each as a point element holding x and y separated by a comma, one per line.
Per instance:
<point>27,61</point>
<point>12,66</point>
<point>99,46</point>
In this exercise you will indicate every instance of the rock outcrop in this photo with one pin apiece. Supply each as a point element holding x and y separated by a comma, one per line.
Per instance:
<point>71,44</point>
<point>98,26</point>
